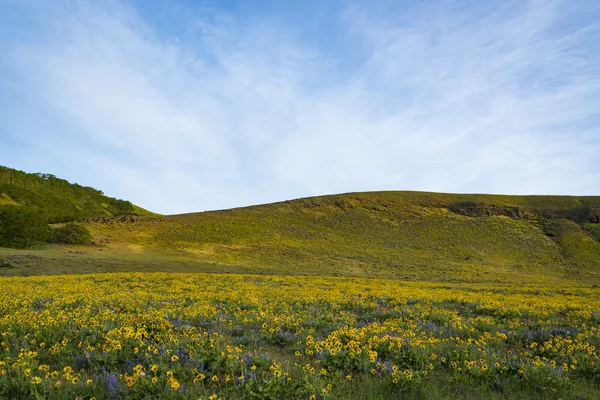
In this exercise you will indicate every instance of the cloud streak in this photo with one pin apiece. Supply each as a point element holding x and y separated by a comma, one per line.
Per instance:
<point>232,108</point>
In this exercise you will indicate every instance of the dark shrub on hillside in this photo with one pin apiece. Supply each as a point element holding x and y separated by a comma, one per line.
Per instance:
<point>22,227</point>
<point>71,234</point>
<point>593,230</point>
<point>557,227</point>
<point>581,215</point>
<point>593,215</point>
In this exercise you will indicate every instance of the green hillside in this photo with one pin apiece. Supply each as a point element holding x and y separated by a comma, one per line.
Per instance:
<point>407,235</point>
<point>29,202</point>
<point>57,199</point>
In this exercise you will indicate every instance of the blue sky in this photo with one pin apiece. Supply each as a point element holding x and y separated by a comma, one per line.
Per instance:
<point>185,106</point>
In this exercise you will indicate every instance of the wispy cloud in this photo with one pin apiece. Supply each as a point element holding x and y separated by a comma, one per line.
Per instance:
<point>230,109</point>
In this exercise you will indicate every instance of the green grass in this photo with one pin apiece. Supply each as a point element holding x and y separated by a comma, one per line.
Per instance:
<point>403,235</point>
<point>526,267</point>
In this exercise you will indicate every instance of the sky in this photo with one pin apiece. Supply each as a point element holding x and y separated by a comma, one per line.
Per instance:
<point>183,106</point>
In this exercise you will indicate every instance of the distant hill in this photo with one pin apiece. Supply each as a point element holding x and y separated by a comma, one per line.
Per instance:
<point>29,202</point>
<point>405,235</point>
<point>409,235</point>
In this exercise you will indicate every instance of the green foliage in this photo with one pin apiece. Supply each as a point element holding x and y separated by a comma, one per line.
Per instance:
<point>585,213</point>
<point>59,200</point>
<point>21,227</point>
<point>71,234</point>
<point>29,202</point>
<point>559,227</point>
<point>593,230</point>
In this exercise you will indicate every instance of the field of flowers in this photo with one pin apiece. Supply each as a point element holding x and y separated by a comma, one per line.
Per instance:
<point>191,336</point>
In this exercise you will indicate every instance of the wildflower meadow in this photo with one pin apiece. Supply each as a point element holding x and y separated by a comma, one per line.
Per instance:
<point>210,336</point>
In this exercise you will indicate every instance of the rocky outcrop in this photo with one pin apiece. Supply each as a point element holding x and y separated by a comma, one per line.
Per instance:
<point>478,209</point>
<point>112,220</point>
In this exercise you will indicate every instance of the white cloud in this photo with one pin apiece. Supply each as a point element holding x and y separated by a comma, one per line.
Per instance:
<point>482,100</point>
<point>484,106</point>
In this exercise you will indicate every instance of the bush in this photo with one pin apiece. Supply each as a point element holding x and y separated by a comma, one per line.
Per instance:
<point>71,234</point>
<point>558,227</point>
<point>580,215</point>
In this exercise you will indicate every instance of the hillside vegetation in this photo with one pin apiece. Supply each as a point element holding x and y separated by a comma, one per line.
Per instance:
<point>29,202</point>
<point>437,296</point>
<point>58,199</point>
<point>407,235</point>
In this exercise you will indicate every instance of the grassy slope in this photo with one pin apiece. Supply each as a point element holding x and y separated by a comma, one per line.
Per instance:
<point>408,235</point>
<point>57,199</point>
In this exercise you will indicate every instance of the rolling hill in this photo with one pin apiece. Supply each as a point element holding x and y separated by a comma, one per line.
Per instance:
<point>405,235</point>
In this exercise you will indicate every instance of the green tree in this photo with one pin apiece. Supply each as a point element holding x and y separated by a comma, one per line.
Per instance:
<point>22,227</point>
